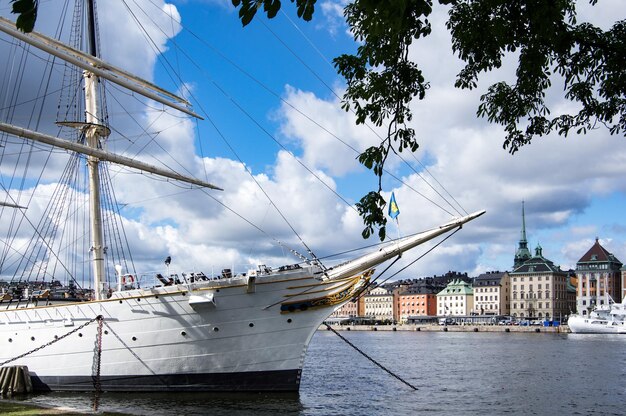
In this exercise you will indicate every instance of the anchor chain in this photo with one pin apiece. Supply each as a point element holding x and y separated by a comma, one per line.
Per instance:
<point>99,317</point>
<point>371,359</point>
<point>98,360</point>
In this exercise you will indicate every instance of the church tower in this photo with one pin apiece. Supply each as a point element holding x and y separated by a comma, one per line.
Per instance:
<point>522,253</point>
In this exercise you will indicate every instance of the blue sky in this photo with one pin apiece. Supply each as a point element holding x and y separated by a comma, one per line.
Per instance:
<point>573,188</point>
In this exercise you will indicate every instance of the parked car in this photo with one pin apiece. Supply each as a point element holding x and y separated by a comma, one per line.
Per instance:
<point>506,322</point>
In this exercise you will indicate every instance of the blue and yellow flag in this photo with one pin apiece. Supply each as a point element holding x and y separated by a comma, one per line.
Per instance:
<point>394,211</point>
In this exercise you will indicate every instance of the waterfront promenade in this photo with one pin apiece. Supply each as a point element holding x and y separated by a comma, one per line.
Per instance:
<point>562,329</point>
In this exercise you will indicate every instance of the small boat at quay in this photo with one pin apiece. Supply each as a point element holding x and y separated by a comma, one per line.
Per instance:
<point>609,318</point>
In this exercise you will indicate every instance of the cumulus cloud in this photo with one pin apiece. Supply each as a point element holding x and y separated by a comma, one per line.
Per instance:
<point>329,138</point>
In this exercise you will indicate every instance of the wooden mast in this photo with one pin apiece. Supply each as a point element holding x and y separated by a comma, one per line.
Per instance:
<point>95,134</point>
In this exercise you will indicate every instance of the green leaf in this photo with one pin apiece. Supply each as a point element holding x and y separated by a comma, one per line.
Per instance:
<point>27,14</point>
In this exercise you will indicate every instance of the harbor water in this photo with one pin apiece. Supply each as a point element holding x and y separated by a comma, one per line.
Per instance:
<point>455,373</point>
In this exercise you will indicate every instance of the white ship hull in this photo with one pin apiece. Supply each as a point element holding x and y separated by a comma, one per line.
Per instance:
<point>224,335</point>
<point>590,325</point>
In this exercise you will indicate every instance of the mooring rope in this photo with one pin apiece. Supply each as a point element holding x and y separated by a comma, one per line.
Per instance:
<point>391,373</point>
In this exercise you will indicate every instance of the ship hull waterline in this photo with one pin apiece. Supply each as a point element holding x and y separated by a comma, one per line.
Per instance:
<point>226,335</point>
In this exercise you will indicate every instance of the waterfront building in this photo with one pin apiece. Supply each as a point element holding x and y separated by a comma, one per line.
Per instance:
<point>379,304</point>
<point>492,294</point>
<point>599,277</point>
<point>418,300</point>
<point>352,309</point>
<point>457,299</point>
<point>539,289</point>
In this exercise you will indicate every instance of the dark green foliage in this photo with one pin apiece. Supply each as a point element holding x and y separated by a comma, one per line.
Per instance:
<point>591,64</point>
<point>27,14</point>
<point>371,208</point>
<point>248,8</point>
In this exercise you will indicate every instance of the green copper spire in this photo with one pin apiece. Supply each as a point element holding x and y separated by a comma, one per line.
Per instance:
<point>523,239</point>
<point>522,253</point>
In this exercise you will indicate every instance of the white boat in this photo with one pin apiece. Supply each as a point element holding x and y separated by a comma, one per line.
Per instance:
<point>237,331</point>
<point>609,318</point>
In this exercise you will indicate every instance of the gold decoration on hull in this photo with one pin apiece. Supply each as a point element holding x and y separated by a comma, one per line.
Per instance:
<point>335,295</point>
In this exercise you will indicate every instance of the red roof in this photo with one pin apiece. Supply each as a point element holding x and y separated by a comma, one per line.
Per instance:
<point>597,253</point>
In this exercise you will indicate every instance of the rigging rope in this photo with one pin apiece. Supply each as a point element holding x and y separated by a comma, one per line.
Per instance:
<point>420,257</point>
<point>236,103</point>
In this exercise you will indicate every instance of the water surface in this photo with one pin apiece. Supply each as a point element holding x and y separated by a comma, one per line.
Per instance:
<point>455,373</point>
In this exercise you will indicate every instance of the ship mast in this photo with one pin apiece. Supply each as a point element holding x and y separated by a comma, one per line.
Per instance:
<point>93,128</point>
<point>95,133</point>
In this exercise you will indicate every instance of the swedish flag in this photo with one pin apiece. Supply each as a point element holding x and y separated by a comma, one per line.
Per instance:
<point>394,211</point>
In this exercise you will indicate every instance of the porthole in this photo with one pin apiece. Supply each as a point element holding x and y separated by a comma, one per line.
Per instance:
<point>56,337</point>
<point>10,339</point>
<point>183,294</point>
<point>134,338</point>
<point>250,324</point>
<point>106,332</point>
<point>183,333</point>
<point>80,334</point>
<point>120,301</point>
<point>32,338</point>
<point>216,329</point>
<point>289,320</point>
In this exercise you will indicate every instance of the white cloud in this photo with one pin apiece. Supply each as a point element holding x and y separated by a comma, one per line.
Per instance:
<point>126,42</point>
<point>327,134</point>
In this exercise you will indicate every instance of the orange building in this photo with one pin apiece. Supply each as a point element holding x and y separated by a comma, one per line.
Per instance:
<point>417,300</point>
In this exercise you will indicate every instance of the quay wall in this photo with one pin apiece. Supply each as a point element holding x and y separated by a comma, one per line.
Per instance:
<point>562,329</point>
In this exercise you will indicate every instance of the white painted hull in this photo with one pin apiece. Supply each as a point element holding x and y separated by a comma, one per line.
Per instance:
<point>590,325</point>
<point>156,339</point>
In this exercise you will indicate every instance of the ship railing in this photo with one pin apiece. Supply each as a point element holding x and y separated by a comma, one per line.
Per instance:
<point>150,279</point>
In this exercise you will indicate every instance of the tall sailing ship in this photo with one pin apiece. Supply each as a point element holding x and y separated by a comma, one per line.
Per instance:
<point>229,331</point>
